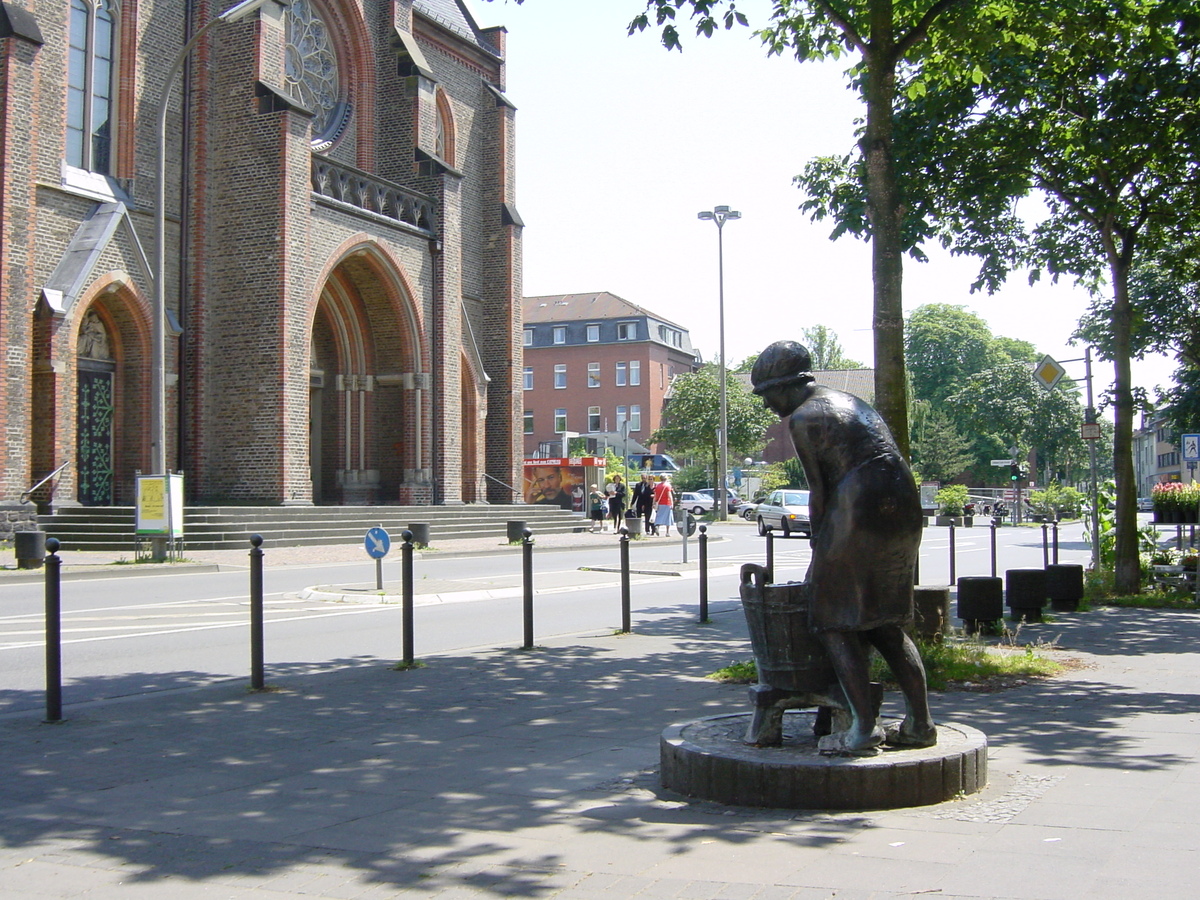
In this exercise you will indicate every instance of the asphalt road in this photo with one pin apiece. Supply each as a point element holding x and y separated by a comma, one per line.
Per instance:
<point>133,635</point>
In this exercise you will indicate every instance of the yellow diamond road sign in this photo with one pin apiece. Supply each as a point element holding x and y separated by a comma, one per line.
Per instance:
<point>1048,372</point>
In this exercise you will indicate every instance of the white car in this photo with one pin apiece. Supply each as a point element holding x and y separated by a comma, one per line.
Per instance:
<point>696,504</point>
<point>785,511</point>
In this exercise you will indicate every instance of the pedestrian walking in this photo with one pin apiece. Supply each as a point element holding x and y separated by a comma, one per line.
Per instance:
<point>617,493</point>
<point>664,505</point>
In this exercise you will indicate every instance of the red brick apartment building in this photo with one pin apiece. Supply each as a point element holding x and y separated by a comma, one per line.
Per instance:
<point>594,362</point>
<point>343,252</point>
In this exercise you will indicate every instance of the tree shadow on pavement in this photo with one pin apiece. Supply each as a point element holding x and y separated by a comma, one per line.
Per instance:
<point>504,771</point>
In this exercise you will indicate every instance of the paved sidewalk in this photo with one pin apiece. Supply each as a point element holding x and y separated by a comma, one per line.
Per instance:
<point>500,774</point>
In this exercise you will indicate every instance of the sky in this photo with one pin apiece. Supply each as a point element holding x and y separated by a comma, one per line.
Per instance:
<point>621,143</point>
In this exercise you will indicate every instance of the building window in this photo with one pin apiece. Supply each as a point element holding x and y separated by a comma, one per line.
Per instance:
<point>670,336</point>
<point>560,377</point>
<point>635,372</point>
<point>593,375</point>
<point>560,421</point>
<point>529,421</point>
<point>528,340</point>
<point>626,331</point>
<point>91,70</point>
<point>529,378</point>
<point>560,334</point>
<point>622,417</point>
<point>662,376</point>
<point>621,374</point>
<point>593,333</point>
<point>310,72</point>
<point>593,418</point>
<point>635,418</point>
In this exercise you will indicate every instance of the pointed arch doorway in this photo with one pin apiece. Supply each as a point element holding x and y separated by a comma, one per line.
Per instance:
<point>364,421</point>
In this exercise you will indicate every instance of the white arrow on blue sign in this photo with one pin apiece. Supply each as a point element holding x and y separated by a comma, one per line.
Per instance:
<point>378,543</point>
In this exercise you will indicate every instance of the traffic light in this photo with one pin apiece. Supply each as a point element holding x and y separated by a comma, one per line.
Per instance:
<point>1014,472</point>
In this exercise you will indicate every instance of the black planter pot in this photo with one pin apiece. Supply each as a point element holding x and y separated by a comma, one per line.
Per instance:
<point>1064,586</point>
<point>1025,591</point>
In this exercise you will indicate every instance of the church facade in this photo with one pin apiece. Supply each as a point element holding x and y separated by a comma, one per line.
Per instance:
<point>341,264</point>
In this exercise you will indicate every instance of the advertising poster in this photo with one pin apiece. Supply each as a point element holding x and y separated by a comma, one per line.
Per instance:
<point>160,505</point>
<point>561,482</point>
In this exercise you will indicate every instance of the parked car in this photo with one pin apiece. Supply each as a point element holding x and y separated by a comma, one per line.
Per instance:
<point>733,500</point>
<point>786,511</point>
<point>1145,504</point>
<point>748,509</point>
<point>696,503</point>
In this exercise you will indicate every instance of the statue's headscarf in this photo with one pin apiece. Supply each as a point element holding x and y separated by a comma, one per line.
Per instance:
<point>782,364</point>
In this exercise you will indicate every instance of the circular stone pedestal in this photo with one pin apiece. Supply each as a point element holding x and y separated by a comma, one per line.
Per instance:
<point>708,759</point>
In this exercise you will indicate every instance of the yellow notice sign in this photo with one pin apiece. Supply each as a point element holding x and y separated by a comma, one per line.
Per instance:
<point>160,505</point>
<point>152,499</point>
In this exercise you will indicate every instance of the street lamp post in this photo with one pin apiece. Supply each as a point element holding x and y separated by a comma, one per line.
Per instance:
<point>158,361</point>
<point>158,307</point>
<point>721,215</point>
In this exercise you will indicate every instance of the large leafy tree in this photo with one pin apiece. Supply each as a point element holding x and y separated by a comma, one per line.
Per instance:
<point>943,345</point>
<point>1100,117</point>
<point>691,418</point>
<point>826,350</point>
<point>885,37</point>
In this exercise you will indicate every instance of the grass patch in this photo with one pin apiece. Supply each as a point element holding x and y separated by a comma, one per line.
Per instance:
<point>404,667</point>
<point>964,664</point>
<point>1153,600</point>
<point>744,672</point>
<point>968,663</point>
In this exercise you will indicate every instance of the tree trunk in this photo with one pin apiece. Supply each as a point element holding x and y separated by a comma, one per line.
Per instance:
<point>883,203</point>
<point>1127,570</point>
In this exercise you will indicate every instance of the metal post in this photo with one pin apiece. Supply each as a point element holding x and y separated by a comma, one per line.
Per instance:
<point>527,580</point>
<point>625,619</point>
<point>1090,417</point>
<point>770,556</point>
<point>53,632</point>
<point>406,581</point>
<point>1045,545</point>
<point>682,524</point>
<point>257,678</point>
<point>703,573</point>
<point>993,548</point>
<point>1054,544</point>
<point>952,572</point>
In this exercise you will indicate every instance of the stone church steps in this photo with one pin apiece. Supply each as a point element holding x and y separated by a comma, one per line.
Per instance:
<point>230,527</point>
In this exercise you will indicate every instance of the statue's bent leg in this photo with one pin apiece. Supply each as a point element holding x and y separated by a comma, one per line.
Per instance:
<point>902,656</point>
<point>848,653</point>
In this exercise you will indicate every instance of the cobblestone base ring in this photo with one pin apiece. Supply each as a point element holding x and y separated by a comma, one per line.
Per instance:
<point>708,759</point>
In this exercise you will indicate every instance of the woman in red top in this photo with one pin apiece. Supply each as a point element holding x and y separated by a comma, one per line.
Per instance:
<point>664,502</point>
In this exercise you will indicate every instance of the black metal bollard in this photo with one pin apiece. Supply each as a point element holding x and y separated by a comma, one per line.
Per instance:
<point>953,580</point>
<point>626,626</point>
<point>770,566</point>
<point>993,548</point>
<point>1045,545</point>
<point>53,632</point>
<point>527,580</point>
<point>1054,545</point>
<point>257,676</point>
<point>703,574</point>
<point>406,609</point>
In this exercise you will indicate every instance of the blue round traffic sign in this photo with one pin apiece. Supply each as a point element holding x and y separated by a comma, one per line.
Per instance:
<point>378,543</point>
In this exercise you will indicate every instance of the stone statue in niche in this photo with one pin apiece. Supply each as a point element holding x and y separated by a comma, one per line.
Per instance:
<point>866,530</point>
<point>93,337</point>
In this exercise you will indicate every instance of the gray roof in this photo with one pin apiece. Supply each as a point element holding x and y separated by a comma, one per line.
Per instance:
<point>454,16</point>
<point>577,307</point>
<point>859,382</point>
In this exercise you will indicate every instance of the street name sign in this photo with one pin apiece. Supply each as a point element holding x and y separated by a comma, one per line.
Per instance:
<point>1002,462</point>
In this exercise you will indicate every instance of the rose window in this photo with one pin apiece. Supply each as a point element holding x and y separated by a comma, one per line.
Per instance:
<point>311,71</point>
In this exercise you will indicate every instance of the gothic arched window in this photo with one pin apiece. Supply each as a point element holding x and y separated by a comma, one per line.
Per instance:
<point>91,70</point>
<point>311,72</point>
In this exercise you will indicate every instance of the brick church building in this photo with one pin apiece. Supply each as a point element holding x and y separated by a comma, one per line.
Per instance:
<point>342,271</point>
